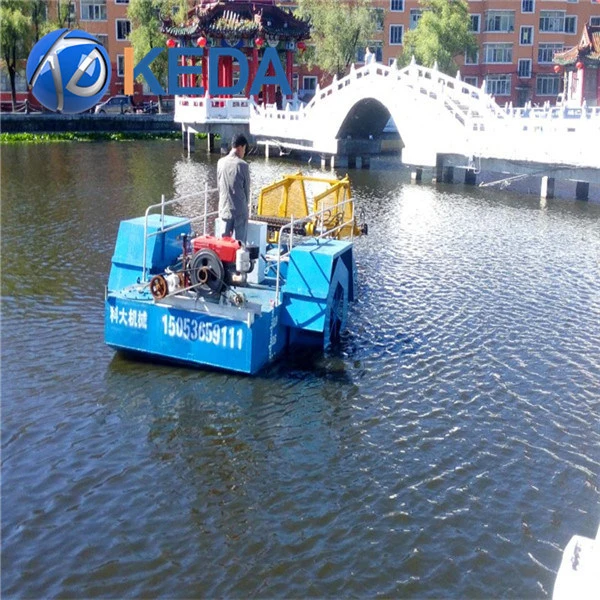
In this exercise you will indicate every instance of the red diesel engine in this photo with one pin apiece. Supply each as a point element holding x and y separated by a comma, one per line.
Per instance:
<point>218,261</point>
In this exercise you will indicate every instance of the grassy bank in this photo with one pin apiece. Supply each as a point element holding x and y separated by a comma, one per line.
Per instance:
<point>69,136</point>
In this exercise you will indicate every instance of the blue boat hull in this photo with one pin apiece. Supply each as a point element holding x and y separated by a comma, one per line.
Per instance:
<point>244,343</point>
<point>152,309</point>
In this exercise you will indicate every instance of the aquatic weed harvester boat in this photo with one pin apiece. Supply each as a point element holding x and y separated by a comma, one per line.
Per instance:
<point>196,298</point>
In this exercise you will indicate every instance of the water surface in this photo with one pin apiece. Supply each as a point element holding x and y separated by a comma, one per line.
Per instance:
<point>449,447</point>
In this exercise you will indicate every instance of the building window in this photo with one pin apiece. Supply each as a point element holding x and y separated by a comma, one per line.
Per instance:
<point>415,15</point>
<point>500,20</point>
<point>396,34</point>
<point>379,18</point>
<point>43,12</point>
<point>377,50</point>
<point>552,21</point>
<point>595,20</point>
<point>525,68</point>
<point>475,26</point>
<point>376,47</point>
<point>102,38</point>
<point>547,85</point>
<point>309,83</point>
<point>497,85</point>
<point>546,52</point>
<point>472,58</point>
<point>20,82</point>
<point>527,6</point>
<point>397,5</point>
<point>474,81</point>
<point>121,1</point>
<point>570,24</point>
<point>497,53</point>
<point>526,36</point>
<point>120,65</point>
<point>72,16</point>
<point>93,10</point>
<point>123,29</point>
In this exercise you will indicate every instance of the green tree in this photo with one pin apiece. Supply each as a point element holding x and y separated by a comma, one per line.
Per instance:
<point>145,33</point>
<point>65,16</point>
<point>48,16</point>
<point>15,38</point>
<point>38,19</point>
<point>338,30</point>
<point>442,33</point>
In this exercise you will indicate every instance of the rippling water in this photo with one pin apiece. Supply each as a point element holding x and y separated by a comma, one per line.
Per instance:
<point>449,447</point>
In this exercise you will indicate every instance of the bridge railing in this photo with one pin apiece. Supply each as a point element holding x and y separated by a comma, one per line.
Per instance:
<point>464,101</point>
<point>203,109</point>
<point>488,127</point>
<point>552,112</point>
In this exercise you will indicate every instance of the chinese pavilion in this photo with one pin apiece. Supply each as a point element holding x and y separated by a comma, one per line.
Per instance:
<point>250,26</point>
<point>581,66</point>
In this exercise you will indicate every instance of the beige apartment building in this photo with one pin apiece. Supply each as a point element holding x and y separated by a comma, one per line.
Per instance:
<point>517,42</point>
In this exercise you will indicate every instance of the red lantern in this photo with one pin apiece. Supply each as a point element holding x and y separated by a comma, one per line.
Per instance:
<point>201,41</point>
<point>259,42</point>
<point>171,43</point>
<point>557,68</point>
<point>301,46</point>
<point>579,65</point>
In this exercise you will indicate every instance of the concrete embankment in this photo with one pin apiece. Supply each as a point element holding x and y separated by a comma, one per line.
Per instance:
<point>86,123</point>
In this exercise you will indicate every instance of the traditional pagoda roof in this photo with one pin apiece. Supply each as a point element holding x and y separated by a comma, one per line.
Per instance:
<point>587,51</point>
<point>239,19</point>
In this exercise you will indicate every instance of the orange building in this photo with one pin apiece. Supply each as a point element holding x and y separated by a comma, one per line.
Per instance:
<point>517,42</point>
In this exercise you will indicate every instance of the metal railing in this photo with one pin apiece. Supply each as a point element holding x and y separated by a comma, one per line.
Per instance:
<point>162,205</point>
<point>319,218</point>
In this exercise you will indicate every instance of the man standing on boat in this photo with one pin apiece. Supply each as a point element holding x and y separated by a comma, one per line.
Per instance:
<point>233,177</point>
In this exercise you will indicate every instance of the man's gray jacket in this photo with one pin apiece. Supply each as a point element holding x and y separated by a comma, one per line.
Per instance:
<point>233,177</point>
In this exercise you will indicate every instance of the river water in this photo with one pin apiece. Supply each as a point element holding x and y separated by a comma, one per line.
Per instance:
<point>449,447</point>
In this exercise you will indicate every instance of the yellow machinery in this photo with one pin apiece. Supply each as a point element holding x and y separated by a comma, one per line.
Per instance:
<point>319,206</point>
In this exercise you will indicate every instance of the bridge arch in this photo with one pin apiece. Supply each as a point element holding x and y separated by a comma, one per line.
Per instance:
<point>433,113</point>
<point>367,118</point>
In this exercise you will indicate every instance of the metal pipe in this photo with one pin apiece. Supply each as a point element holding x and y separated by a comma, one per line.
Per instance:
<point>205,206</point>
<point>162,204</point>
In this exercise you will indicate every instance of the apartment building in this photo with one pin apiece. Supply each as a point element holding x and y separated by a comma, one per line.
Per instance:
<point>517,41</point>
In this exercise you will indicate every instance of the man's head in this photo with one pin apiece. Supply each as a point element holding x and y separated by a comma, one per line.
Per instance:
<point>240,144</point>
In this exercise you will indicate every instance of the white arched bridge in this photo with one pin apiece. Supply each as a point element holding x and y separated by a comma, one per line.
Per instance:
<point>434,114</point>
